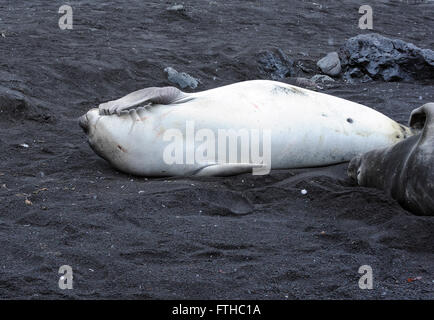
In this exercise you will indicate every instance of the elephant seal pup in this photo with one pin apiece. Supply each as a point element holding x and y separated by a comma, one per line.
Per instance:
<point>250,126</point>
<point>405,171</point>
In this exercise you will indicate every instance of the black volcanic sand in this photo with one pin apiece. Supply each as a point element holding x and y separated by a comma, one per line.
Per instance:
<point>253,237</point>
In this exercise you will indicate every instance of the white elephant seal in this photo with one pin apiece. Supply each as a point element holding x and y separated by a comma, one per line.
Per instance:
<point>405,171</point>
<point>164,131</point>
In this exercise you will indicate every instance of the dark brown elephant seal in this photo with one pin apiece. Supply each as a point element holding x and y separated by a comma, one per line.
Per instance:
<point>405,170</point>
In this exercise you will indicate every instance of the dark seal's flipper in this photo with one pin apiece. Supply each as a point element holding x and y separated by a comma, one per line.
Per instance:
<point>153,95</point>
<point>422,118</point>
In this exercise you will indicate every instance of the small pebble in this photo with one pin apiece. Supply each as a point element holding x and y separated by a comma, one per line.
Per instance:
<point>177,7</point>
<point>304,191</point>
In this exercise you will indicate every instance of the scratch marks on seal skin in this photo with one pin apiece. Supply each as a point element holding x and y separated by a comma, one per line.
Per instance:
<point>158,127</point>
<point>122,148</point>
<point>287,90</point>
<point>160,131</point>
<point>165,114</point>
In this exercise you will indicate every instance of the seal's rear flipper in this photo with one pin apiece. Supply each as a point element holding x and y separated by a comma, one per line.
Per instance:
<point>422,116</point>
<point>423,119</point>
<point>165,95</point>
<point>230,169</point>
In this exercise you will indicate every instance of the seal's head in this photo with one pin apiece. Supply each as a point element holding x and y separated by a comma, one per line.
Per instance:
<point>83,121</point>
<point>88,122</point>
<point>117,137</point>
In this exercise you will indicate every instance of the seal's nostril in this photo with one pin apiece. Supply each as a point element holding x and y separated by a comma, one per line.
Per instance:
<point>84,123</point>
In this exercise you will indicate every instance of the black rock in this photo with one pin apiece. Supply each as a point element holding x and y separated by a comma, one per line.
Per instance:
<point>275,64</point>
<point>182,79</point>
<point>330,64</point>
<point>373,56</point>
<point>321,79</point>
<point>15,106</point>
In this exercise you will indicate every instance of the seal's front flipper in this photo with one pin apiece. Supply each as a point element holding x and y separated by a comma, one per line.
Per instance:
<point>165,95</point>
<point>230,169</point>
